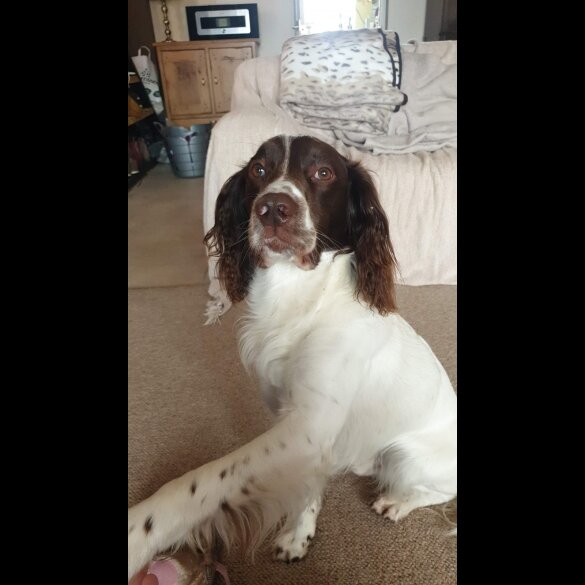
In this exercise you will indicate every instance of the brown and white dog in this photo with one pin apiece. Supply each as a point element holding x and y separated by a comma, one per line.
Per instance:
<point>301,234</point>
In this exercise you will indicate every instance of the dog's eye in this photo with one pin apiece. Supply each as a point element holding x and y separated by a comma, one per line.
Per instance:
<point>258,170</point>
<point>323,174</point>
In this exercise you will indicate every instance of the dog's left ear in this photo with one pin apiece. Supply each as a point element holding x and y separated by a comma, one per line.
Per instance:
<point>370,240</point>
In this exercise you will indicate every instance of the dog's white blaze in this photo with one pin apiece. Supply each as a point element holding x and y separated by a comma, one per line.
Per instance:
<point>287,142</point>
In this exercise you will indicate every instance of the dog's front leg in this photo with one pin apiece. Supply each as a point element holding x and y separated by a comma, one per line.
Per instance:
<point>165,518</point>
<point>280,471</point>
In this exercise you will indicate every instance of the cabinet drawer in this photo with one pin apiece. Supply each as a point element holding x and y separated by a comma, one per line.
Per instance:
<point>186,83</point>
<point>223,63</point>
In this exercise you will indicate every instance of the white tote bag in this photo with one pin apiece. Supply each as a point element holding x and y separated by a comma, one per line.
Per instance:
<point>146,70</point>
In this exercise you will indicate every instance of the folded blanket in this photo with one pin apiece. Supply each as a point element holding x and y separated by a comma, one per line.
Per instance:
<point>347,81</point>
<point>429,120</point>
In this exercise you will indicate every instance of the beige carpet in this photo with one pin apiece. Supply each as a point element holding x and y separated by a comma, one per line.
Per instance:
<point>189,401</point>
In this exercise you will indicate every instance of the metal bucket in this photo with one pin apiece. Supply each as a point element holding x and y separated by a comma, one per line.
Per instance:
<point>187,148</point>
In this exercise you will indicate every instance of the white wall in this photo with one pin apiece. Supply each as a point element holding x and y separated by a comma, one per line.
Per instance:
<point>275,21</point>
<point>407,18</point>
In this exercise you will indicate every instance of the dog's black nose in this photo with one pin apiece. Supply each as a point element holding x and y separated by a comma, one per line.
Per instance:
<point>275,208</point>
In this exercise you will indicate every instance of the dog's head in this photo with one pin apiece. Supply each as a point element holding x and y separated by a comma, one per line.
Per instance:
<point>295,198</point>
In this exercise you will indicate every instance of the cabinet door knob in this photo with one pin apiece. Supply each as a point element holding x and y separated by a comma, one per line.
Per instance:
<point>215,80</point>
<point>203,81</point>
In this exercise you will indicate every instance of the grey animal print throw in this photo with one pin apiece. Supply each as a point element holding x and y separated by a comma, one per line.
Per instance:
<point>346,81</point>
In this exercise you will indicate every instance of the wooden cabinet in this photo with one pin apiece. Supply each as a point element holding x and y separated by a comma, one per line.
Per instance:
<point>197,77</point>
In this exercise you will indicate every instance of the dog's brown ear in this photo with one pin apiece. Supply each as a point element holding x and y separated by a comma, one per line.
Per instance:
<point>370,240</point>
<point>228,238</point>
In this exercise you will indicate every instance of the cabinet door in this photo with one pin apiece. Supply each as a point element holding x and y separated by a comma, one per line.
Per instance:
<point>186,83</point>
<point>223,64</point>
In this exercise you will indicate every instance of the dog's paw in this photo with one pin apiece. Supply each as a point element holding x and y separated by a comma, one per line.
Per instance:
<point>390,508</point>
<point>292,546</point>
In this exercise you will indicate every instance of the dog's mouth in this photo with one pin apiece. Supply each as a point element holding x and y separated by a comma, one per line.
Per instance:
<point>274,245</point>
<point>278,239</point>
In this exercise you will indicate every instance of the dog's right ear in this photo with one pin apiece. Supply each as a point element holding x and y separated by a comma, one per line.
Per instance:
<point>228,238</point>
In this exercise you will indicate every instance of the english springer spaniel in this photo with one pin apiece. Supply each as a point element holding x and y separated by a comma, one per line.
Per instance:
<point>300,233</point>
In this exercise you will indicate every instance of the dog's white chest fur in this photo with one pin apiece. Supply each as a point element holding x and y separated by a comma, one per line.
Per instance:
<point>314,346</point>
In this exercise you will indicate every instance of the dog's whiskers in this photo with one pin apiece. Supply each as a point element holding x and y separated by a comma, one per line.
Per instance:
<point>327,240</point>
